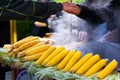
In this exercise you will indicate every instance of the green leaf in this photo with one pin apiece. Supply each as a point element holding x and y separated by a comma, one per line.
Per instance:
<point>26,64</point>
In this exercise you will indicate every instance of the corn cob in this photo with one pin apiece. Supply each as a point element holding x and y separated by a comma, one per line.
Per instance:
<point>14,52</point>
<point>40,24</point>
<point>62,64</point>
<point>108,69</point>
<point>80,62</point>
<point>28,44</point>
<point>87,65</point>
<point>21,42</point>
<point>23,53</point>
<point>12,47</point>
<point>50,57</point>
<point>72,61</point>
<point>24,46</point>
<point>58,58</point>
<point>46,54</point>
<point>98,66</point>
<point>32,57</point>
<point>38,49</point>
<point>18,44</point>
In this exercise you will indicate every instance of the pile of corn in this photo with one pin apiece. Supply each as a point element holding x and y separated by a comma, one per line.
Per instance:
<point>33,49</point>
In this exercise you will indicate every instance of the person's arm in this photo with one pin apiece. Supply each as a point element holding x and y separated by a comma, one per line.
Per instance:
<point>92,15</point>
<point>25,9</point>
<point>95,16</point>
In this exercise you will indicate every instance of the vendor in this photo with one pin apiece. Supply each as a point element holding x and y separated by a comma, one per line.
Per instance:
<point>29,10</point>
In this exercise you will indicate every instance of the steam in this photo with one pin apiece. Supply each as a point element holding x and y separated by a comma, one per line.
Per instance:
<point>66,29</point>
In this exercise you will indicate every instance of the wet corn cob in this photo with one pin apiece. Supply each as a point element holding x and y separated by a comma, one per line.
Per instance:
<point>73,60</point>
<point>80,62</point>
<point>87,65</point>
<point>38,49</point>
<point>58,58</point>
<point>62,64</point>
<point>97,67</point>
<point>108,69</point>
<point>53,54</point>
<point>45,55</point>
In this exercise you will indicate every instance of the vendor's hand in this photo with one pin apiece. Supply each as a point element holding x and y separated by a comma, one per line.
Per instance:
<point>83,36</point>
<point>71,8</point>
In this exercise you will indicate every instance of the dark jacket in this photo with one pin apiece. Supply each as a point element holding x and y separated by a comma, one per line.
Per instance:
<point>25,9</point>
<point>109,14</point>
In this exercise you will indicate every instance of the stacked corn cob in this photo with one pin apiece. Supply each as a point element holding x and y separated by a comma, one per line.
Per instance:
<point>32,49</point>
<point>29,48</point>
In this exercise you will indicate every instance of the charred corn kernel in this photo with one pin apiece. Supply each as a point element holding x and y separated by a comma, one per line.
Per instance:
<point>28,44</point>
<point>38,49</point>
<point>32,57</point>
<point>45,55</point>
<point>97,67</point>
<point>80,62</point>
<point>53,54</point>
<point>72,61</point>
<point>62,64</point>
<point>23,53</point>
<point>19,43</point>
<point>108,69</point>
<point>87,65</point>
<point>58,58</point>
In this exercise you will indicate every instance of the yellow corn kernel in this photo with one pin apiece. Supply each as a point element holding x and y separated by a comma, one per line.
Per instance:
<point>108,69</point>
<point>38,49</point>
<point>80,62</point>
<point>58,58</point>
<point>62,64</point>
<point>32,57</point>
<point>97,67</point>
<point>73,60</point>
<point>87,65</point>
<point>45,55</point>
<point>53,54</point>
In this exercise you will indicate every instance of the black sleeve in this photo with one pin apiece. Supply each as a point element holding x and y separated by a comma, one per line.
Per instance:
<point>25,9</point>
<point>93,15</point>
